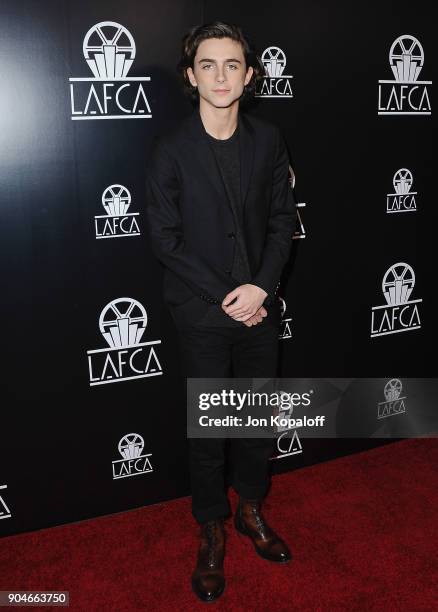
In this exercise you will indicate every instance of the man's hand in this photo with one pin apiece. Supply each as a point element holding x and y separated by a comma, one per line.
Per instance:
<point>257,317</point>
<point>249,300</point>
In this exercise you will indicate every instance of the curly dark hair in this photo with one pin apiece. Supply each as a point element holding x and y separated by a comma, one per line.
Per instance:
<point>218,29</point>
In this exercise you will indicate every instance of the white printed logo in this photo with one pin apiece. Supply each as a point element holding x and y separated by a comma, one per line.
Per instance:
<point>405,94</point>
<point>403,199</point>
<point>287,445</point>
<point>133,462</point>
<point>300,232</point>
<point>394,402</point>
<point>275,84</point>
<point>285,329</point>
<point>4,510</point>
<point>122,323</point>
<point>117,223</point>
<point>109,50</point>
<point>399,314</point>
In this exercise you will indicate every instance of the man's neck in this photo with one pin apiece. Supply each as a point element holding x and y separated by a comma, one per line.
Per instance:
<point>219,122</point>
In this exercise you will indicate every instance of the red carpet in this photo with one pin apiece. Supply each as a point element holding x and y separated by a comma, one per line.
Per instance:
<point>362,529</point>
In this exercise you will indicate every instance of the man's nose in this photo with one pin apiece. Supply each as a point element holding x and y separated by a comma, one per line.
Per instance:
<point>220,75</point>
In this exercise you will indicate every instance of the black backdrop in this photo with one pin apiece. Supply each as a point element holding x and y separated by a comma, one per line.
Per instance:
<point>60,434</point>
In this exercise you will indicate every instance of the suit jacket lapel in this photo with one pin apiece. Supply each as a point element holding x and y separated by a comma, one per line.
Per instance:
<point>207,159</point>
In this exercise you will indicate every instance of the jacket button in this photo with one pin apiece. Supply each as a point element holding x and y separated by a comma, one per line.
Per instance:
<point>228,270</point>
<point>231,235</point>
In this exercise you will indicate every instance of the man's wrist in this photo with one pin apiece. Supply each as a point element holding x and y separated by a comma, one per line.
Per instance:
<point>261,289</point>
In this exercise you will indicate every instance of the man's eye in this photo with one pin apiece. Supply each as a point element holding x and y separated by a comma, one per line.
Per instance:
<point>206,66</point>
<point>233,66</point>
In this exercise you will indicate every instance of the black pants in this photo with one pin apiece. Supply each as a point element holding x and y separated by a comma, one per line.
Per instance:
<point>221,352</point>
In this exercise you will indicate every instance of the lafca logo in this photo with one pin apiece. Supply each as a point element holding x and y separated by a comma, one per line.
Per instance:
<point>403,200</point>
<point>122,323</point>
<point>285,330</point>
<point>399,314</point>
<point>405,94</point>
<point>109,51</point>
<point>275,84</point>
<point>394,401</point>
<point>288,445</point>
<point>4,510</point>
<point>299,232</point>
<point>133,462</point>
<point>117,223</point>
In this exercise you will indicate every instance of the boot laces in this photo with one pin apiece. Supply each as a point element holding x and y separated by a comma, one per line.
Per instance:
<point>255,510</point>
<point>211,533</point>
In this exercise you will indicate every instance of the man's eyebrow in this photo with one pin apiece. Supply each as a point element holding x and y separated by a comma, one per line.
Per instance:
<point>206,59</point>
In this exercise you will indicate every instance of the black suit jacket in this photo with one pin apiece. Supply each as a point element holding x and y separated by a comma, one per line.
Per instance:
<point>190,219</point>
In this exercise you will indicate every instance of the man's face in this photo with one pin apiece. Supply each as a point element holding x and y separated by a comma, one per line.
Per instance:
<point>219,71</point>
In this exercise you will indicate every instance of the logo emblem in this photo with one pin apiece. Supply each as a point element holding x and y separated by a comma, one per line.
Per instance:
<point>403,199</point>
<point>274,61</point>
<point>288,445</point>
<point>300,232</point>
<point>402,181</point>
<point>406,58</point>
<point>394,402</point>
<point>133,462</point>
<point>109,50</point>
<point>4,510</point>
<point>274,84</point>
<point>405,95</point>
<point>392,389</point>
<point>285,330</point>
<point>399,313</point>
<point>117,222</point>
<point>397,284</point>
<point>123,323</point>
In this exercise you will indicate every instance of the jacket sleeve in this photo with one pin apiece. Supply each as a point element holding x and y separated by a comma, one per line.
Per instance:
<point>166,230</point>
<point>281,224</point>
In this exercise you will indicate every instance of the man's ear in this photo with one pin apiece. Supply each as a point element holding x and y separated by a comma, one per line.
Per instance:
<point>249,74</point>
<point>191,76</point>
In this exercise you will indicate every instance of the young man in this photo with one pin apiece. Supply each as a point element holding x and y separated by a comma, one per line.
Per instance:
<point>221,217</point>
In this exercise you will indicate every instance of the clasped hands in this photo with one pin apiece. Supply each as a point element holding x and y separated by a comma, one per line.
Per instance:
<point>248,305</point>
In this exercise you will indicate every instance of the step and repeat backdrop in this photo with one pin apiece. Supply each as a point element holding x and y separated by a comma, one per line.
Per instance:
<point>94,418</point>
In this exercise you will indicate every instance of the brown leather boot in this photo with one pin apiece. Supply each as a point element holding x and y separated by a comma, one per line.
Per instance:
<point>249,521</point>
<point>208,580</point>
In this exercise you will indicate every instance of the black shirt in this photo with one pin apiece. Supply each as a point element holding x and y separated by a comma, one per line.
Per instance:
<point>228,159</point>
